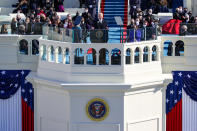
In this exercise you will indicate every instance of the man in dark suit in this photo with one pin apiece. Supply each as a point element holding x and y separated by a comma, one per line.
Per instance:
<point>101,23</point>
<point>101,29</point>
<point>101,32</point>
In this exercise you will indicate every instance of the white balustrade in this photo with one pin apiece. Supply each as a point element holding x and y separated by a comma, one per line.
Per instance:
<point>111,48</point>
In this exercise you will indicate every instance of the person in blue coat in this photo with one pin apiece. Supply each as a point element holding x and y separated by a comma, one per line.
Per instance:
<point>77,31</point>
<point>134,34</point>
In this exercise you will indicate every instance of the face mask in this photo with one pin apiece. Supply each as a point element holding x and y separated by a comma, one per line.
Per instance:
<point>137,22</point>
<point>86,11</point>
<point>144,25</point>
<point>65,25</point>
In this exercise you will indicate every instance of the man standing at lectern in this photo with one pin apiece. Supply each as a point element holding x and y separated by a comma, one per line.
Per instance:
<point>101,31</point>
<point>101,24</point>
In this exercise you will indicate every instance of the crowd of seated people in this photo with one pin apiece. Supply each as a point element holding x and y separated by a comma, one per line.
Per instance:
<point>183,23</point>
<point>156,5</point>
<point>188,23</point>
<point>143,26</point>
<point>25,6</point>
<point>45,14</point>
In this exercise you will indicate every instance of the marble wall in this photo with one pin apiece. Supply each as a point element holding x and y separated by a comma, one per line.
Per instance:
<point>71,3</point>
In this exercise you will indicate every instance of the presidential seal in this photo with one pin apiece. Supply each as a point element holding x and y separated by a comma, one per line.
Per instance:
<point>97,109</point>
<point>99,34</point>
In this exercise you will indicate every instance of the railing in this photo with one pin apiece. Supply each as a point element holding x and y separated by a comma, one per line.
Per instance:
<point>99,54</point>
<point>21,29</point>
<point>100,36</point>
<point>181,29</point>
<point>99,6</point>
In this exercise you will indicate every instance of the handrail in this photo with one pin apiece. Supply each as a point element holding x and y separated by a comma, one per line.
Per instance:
<point>99,6</point>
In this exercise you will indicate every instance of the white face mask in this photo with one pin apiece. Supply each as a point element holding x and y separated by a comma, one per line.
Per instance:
<point>65,25</point>
<point>137,22</point>
<point>86,11</point>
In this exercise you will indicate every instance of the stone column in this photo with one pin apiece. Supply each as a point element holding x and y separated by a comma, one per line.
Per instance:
<point>97,58</point>
<point>150,56</point>
<point>48,53</point>
<point>85,59</point>
<point>141,57</point>
<point>158,55</point>
<point>132,57</point>
<point>109,57</point>
<point>57,56</point>
<point>123,55</point>
<point>173,46</point>
<point>64,56</point>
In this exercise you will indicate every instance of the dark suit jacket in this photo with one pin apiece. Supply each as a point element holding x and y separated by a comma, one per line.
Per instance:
<point>102,25</point>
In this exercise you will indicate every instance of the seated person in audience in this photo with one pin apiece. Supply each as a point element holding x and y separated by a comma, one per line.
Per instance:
<point>184,31</point>
<point>61,5</point>
<point>176,15</point>
<point>91,5</point>
<point>144,30</point>
<point>134,5</point>
<point>14,29</point>
<point>27,25</point>
<point>48,4</point>
<point>131,25</point>
<point>138,23</point>
<point>70,22</point>
<point>4,29</point>
<point>23,5</point>
<point>150,15</point>
<point>19,20</point>
<point>21,29</point>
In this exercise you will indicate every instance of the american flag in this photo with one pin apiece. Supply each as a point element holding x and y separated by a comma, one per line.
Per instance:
<point>182,80</point>
<point>10,82</point>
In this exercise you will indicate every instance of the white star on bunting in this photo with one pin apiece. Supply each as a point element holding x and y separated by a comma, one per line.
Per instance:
<point>22,72</point>
<point>25,99</point>
<point>180,92</point>
<point>180,74</point>
<point>176,83</point>
<point>171,92</point>
<point>188,76</point>
<point>3,72</point>
<point>15,85</point>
